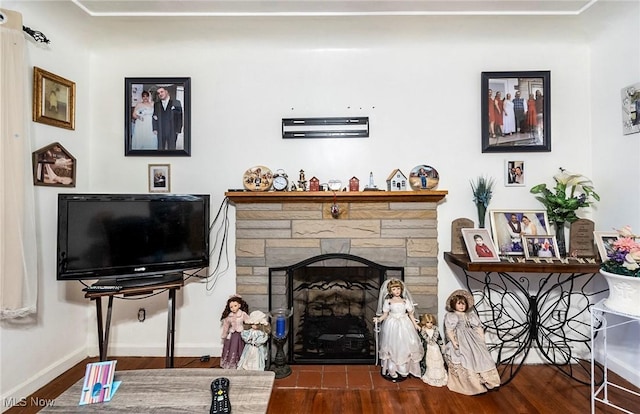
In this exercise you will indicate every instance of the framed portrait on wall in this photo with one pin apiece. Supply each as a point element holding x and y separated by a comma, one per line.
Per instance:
<point>508,227</point>
<point>157,116</point>
<point>159,178</point>
<point>516,111</point>
<point>54,166</point>
<point>54,99</point>
<point>514,173</point>
<point>630,97</point>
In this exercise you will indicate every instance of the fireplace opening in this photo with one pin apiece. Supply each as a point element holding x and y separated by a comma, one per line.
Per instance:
<point>333,298</point>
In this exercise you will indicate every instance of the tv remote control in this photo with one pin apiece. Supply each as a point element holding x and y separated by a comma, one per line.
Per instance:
<point>220,396</point>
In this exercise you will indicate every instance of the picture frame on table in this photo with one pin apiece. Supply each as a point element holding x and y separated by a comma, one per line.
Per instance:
<point>54,166</point>
<point>159,178</point>
<point>508,227</point>
<point>521,123</point>
<point>479,245</point>
<point>54,99</point>
<point>514,173</point>
<point>604,241</point>
<point>157,117</point>
<point>541,246</point>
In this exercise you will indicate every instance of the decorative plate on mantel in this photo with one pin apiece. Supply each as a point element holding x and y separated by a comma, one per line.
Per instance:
<point>258,178</point>
<point>423,177</point>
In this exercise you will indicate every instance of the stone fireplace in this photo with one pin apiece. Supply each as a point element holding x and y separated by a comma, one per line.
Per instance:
<point>276,230</point>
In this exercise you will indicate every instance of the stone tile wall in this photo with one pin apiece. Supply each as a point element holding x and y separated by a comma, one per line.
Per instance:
<point>284,233</point>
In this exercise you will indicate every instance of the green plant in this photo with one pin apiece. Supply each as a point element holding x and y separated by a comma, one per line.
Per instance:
<point>571,192</point>
<point>482,190</point>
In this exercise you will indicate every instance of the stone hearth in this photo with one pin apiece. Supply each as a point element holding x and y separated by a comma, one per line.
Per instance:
<point>390,228</point>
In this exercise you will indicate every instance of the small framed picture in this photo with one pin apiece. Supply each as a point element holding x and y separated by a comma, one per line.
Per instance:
<point>54,99</point>
<point>514,173</point>
<point>543,246</point>
<point>604,240</point>
<point>54,166</point>
<point>508,227</point>
<point>159,178</point>
<point>479,245</point>
<point>630,97</point>
<point>516,111</point>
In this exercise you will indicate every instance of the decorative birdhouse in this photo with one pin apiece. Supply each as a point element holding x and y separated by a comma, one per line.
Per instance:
<point>396,181</point>
<point>354,184</point>
<point>314,184</point>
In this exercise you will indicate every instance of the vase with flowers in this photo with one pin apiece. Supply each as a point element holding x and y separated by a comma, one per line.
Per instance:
<point>482,190</point>
<point>571,192</point>
<point>621,270</point>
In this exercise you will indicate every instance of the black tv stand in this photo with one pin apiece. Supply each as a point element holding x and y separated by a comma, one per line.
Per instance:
<point>131,282</point>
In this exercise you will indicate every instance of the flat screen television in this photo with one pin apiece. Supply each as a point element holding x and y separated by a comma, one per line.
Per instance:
<point>131,237</point>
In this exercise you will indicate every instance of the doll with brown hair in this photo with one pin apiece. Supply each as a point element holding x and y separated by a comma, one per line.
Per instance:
<point>471,368</point>
<point>255,336</point>
<point>399,348</point>
<point>435,373</point>
<point>233,318</point>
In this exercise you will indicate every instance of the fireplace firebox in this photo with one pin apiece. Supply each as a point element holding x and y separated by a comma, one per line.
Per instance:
<point>333,298</point>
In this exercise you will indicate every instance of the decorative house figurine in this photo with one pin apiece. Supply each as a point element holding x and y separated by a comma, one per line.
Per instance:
<point>302,182</point>
<point>314,184</point>
<point>354,184</point>
<point>396,181</point>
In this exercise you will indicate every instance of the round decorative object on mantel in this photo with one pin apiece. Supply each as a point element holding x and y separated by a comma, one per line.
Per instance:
<point>423,177</point>
<point>258,178</point>
<point>624,293</point>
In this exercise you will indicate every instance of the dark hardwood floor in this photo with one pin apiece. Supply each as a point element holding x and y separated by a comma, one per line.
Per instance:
<point>535,389</point>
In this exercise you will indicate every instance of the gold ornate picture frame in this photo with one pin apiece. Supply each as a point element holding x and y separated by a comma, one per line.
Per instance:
<point>54,99</point>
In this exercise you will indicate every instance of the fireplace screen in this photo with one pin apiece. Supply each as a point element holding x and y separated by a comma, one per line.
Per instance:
<point>334,299</point>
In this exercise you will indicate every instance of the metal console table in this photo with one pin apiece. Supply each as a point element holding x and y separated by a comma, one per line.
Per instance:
<point>103,329</point>
<point>599,323</point>
<point>528,304</point>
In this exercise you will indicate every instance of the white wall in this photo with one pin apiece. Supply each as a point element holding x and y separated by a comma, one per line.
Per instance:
<point>417,78</point>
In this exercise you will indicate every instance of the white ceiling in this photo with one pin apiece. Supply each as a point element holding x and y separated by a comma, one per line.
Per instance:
<point>330,7</point>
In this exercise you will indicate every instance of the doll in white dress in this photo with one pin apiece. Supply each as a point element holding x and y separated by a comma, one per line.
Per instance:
<point>255,337</point>
<point>399,346</point>
<point>435,373</point>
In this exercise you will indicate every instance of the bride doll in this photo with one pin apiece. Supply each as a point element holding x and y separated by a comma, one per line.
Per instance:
<point>399,347</point>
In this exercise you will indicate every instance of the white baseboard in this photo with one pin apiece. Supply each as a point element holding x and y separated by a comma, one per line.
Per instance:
<point>17,395</point>
<point>161,350</point>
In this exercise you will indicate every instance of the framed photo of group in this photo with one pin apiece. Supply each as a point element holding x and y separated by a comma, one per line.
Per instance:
<point>157,116</point>
<point>509,226</point>
<point>516,111</point>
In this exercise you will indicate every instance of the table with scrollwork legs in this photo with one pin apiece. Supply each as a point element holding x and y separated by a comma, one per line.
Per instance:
<point>525,305</point>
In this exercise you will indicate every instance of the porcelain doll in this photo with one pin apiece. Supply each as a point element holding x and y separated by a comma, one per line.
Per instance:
<point>471,367</point>
<point>435,373</point>
<point>233,318</point>
<point>255,337</point>
<point>399,347</point>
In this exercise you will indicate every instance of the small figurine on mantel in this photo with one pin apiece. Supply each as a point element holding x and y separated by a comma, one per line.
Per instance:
<point>255,337</point>
<point>302,182</point>
<point>233,318</point>
<point>371,185</point>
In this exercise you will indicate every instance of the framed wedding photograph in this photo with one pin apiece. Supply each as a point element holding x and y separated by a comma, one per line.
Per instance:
<point>157,116</point>
<point>479,245</point>
<point>542,246</point>
<point>514,173</point>
<point>54,166</point>
<point>604,241</point>
<point>516,111</point>
<point>159,178</point>
<point>508,227</point>
<point>54,99</point>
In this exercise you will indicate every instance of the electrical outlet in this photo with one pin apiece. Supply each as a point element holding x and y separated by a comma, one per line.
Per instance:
<point>142,315</point>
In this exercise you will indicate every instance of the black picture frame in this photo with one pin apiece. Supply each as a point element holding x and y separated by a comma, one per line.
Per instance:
<point>532,130</point>
<point>150,141</point>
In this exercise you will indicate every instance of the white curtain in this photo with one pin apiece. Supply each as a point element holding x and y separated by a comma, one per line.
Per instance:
<point>18,247</point>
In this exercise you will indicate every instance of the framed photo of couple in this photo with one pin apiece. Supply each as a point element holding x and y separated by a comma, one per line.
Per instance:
<point>516,111</point>
<point>157,116</point>
<point>509,226</point>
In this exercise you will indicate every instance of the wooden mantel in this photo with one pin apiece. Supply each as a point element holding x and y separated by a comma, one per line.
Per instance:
<point>432,196</point>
